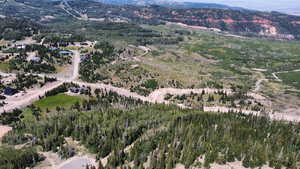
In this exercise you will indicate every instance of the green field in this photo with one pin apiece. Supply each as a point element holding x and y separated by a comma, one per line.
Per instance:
<point>61,100</point>
<point>4,66</point>
<point>50,103</point>
<point>291,78</point>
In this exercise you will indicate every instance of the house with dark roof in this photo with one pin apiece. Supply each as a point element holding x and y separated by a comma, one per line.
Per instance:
<point>82,57</point>
<point>10,91</point>
<point>65,52</point>
<point>74,89</point>
<point>84,44</point>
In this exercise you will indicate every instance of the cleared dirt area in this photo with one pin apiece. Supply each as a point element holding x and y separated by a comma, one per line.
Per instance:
<point>4,130</point>
<point>234,165</point>
<point>77,162</point>
<point>53,161</point>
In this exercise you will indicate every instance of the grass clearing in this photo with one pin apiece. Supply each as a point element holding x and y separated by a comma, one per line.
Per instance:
<point>4,66</point>
<point>50,103</point>
<point>61,100</point>
<point>291,78</point>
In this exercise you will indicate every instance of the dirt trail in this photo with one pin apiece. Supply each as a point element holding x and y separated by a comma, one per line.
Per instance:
<point>276,77</point>
<point>158,96</point>
<point>258,84</point>
<point>274,74</point>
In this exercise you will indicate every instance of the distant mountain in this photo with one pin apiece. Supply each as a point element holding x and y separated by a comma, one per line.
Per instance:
<point>169,3</point>
<point>251,23</point>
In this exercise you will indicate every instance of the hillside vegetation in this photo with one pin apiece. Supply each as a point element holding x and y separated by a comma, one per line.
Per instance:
<point>251,23</point>
<point>165,136</point>
<point>147,87</point>
<point>17,29</point>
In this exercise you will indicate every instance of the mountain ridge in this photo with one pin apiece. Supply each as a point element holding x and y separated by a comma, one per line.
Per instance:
<point>170,4</point>
<point>250,23</point>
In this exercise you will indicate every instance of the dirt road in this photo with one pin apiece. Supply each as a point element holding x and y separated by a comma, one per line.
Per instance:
<point>258,84</point>
<point>157,96</point>
<point>22,100</point>
<point>76,63</point>
<point>7,74</point>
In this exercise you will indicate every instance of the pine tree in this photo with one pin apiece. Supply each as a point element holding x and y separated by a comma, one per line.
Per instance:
<point>170,162</point>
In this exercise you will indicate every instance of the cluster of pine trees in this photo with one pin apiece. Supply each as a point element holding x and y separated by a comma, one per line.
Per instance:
<point>17,29</point>
<point>220,139</point>
<point>11,158</point>
<point>162,136</point>
<point>96,59</point>
<point>45,62</point>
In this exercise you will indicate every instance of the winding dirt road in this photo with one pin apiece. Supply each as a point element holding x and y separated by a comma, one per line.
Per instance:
<point>157,96</point>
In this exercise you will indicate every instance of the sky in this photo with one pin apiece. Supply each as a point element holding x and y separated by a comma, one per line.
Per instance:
<point>287,6</point>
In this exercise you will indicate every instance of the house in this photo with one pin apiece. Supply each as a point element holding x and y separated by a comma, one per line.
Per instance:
<point>35,60</point>
<point>65,52</point>
<point>84,44</point>
<point>21,46</point>
<point>63,44</point>
<point>52,48</point>
<point>82,58</point>
<point>74,89</point>
<point>10,91</point>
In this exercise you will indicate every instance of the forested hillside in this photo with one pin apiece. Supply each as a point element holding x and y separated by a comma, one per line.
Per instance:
<point>18,159</point>
<point>163,136</point>
<point>16,29</point>
<point>251,23</point>
<point>246,22</point>
<point>105,86</point>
